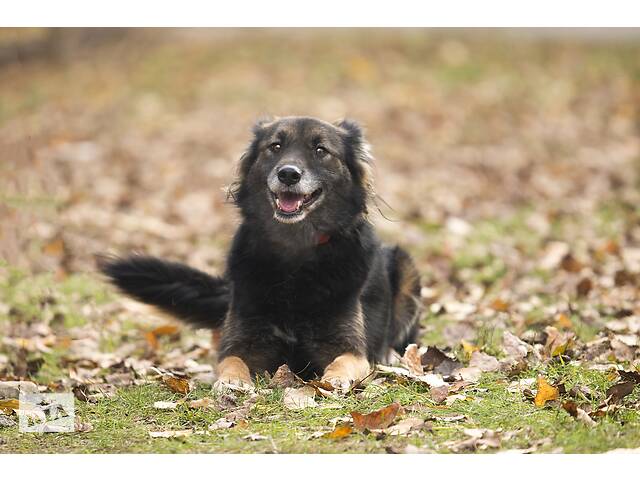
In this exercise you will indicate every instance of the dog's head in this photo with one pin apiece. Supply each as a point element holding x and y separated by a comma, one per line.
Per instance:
<point>301,176</point>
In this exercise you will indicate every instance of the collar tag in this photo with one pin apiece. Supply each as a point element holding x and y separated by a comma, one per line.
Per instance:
<point>323,238</point>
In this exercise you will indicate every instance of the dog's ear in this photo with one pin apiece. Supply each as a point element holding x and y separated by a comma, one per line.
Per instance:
<point>361,152</point>
<point>355,138</point>
<point>262,123</point>
<point>351,128</point>
<point>248,157</point>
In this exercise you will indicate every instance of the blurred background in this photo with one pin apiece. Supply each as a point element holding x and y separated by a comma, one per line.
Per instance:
<point>124,139</point>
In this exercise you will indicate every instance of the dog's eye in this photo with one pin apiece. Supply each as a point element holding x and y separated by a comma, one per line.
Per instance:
<point>275,147</point>
<point>321,151</point>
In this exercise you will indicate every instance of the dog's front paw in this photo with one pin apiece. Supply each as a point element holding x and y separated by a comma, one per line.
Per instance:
<point>226,383</point>
<point>233,374</point>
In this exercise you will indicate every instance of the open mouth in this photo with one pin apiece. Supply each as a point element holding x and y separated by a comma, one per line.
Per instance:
<point>291,204</point>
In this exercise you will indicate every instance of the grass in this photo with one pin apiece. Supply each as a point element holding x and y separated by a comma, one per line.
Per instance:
<point>121,424</point>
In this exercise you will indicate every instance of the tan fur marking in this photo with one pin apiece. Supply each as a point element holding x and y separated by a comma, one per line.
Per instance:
<point>348,368</point>
<point>216,336</point>
<point>407,301</point>
<point>234,370</point>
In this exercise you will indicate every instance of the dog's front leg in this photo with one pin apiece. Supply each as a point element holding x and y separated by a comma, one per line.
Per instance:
<point>233,371</point>
<point>345,370</point>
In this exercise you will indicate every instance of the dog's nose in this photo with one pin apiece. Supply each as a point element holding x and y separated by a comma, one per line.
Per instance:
<point>289,175</point>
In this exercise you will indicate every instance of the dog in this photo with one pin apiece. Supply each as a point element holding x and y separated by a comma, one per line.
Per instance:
<point>307,282</point>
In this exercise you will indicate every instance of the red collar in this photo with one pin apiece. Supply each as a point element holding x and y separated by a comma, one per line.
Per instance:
<point>323,238</point>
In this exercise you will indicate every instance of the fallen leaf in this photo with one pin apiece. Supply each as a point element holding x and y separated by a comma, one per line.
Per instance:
<point>545,392</point>
<point>450,400</point>
<point>483,361</point>
<point>563,321</point>
<point>283,378</point>
<point>165,405</point>
<point>164,330</point>
<point>205,402</point>
<point>618,391</point>
<point>553,255</point>
<point>412,360</point>
<point>480,439</point>
<point>376,420</point>
<point>469,374</point>
<point>557,342</point>
<point>405,426</point>
<point>341,431</point>
<point>177,384</point>
<point>584,286</point>
<point>436,360</point>
<point>82,427</point>
<point>499,305</point>
<point>9,405</point>
<point>630,376</point>
<point>439,394</point>
<point>221,424</point>
<point>570,264</point>
<point>299,398</point>
<point>585,418</point>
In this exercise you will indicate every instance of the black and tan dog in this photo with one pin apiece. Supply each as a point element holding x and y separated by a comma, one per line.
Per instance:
<point>307,282</point>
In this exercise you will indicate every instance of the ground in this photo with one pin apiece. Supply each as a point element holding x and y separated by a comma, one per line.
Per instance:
<point>507,163</point>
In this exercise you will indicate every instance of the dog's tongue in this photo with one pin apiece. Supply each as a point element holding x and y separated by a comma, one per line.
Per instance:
<point>289,202</point>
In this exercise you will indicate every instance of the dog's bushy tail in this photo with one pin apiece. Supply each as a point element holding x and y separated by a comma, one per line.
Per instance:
<point>177,289</point>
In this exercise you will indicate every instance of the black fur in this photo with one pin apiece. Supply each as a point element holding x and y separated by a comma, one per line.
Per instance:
<point>302,286</point>
<point>174,288</point>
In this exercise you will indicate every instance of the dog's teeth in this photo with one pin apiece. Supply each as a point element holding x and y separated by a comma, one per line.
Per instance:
<point>278,202</point>
<point>298,204</point>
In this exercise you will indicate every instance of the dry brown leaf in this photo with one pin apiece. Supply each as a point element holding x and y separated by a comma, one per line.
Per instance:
<point>479,439</point>
<point>570,264</point>
<point>563,321</point>
<point>469,374</point>
<point>299,398</point>
<point>620,390</point>
<point>545,392</point>
<point>206,402</point>
<point>557,342</point>
<point>436,360</point>
<point>499,305</point>
<point>514,347</point>
<point>584,286</point>
<point>283,378</point>
<point>163,330</point>
<point>412,360</point>
<point>9,405</point>
<point>82,427</point>
<point>483,361</point>
<point>439,394</point>
<point>177,384</point>
<point>405,426</point>
<point>55,248</point>
<point>341,431</point>
<point>376,420</point>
